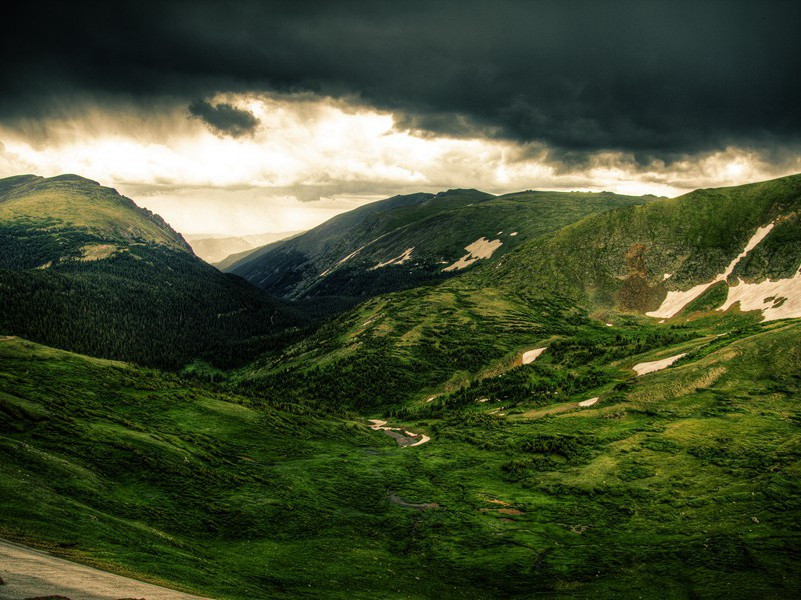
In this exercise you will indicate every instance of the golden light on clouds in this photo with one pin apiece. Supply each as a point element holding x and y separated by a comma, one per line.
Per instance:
<point>310,158</point>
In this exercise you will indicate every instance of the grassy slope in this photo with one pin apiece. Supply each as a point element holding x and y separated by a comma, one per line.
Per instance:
<point>73,201</point>
<point>682,483</point>
<point>619,258</point>
<point>397,347</point>
<point>437,228</point>
<point>84,268</point>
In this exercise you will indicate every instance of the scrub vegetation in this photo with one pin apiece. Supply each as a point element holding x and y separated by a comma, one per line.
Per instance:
<point>266,479</point>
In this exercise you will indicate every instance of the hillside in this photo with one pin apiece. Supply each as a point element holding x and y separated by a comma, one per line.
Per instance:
<point>657,258</point>
<point>689,474</point>
<point>585,281</point>
<point>408,241</point>
<point>57,204</point>
<point>84,268</point>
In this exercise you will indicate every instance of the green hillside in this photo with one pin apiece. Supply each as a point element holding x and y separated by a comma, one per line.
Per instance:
<point>70,201</point>
<point>630,456</point>
<point>85,269</point>
<point>687,477</point>
<point>606,268</point>
<point>619,259</point>
<point>408,241</point>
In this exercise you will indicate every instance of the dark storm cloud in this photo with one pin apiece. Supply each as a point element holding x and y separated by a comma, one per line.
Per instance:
<point>224,119</point>
<point>654,78</point>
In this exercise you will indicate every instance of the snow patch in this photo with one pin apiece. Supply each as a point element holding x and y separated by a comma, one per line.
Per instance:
<point>656,365</point>
<point>481,248</point>
<point>589,402</point>
<point>532,355</point>
<point>513,234</point>
<point>351,255</point>
<point>398,260</point>
<point>776,299</point>
<point>674,302</point>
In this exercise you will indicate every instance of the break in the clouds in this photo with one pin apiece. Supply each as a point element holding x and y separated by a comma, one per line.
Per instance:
<point>311,158</point>
<point>321,105</point>
<point>650,77</point>
<point>224,119</point>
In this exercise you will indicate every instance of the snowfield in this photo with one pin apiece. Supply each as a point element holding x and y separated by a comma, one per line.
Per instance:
<point>481,248</point>
<point>656,365</point>
<point>675,301</point>
<point>532,355</point>
<point>398,260</point>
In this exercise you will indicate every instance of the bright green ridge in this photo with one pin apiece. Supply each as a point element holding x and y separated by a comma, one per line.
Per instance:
<point>73,201</point>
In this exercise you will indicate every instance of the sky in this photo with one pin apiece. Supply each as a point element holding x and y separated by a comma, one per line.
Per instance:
<point>244,117</point>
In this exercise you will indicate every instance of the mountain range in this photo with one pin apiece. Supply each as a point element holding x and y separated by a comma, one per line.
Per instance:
<point>216,248</point>
<point>407,241</point>
<point>452,395</point>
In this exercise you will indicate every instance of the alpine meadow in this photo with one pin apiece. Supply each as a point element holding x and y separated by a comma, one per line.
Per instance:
<point>366,300</point>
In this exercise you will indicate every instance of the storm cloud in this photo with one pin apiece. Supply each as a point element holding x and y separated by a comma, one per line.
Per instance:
<point>224,119</point>
<point>656,79</point>
<point>648,77</point>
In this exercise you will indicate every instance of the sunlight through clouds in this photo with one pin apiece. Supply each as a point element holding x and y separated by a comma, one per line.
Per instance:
<point>308,158</point>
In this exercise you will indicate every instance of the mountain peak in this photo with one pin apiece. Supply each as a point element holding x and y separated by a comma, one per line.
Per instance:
<point>72,202</point>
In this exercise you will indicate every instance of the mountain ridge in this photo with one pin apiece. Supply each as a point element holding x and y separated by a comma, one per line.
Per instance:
<point>385,247</point>
<point>85,269</point>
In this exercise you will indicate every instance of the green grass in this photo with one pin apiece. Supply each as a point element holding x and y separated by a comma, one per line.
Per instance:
<point>682,483</point>
<point>73,201</point>
<point>437,228</point>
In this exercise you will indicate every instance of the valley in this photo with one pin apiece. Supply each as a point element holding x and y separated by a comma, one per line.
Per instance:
<point>557,419</point>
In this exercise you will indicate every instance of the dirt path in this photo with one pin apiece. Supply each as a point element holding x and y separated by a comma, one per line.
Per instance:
<point>407,439</point>
<point>31,573</point>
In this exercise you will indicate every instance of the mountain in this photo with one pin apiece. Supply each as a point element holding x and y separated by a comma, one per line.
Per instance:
<point>407,241</point>
<point>583,282</point>
<point>218,248</point>
<point>717,247</point>
<point>524,427</point>
<point>84,268</point>
<point>225,264</point>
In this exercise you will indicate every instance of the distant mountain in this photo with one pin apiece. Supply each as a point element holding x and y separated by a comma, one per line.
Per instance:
<point>711,262</point>
<point>406,241</point>
<point>84,268</point>
<point>217,248</point>
<point>232,259</point>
